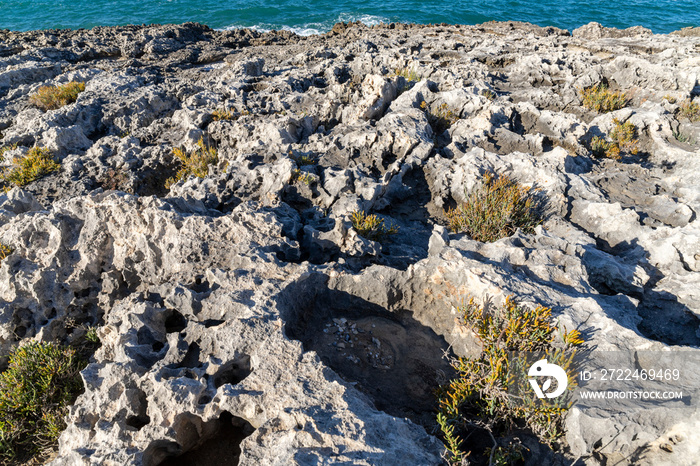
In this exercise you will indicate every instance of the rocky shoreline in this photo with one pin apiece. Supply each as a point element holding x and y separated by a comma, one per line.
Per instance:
<point>242,316</point>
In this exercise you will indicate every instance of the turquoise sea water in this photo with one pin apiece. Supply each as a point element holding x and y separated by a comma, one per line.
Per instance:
<point>314,16</point>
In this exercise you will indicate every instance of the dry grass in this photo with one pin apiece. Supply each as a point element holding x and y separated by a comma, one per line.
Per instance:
<point>53,97</point>
<point>602,100</point>
<point>496,209</point>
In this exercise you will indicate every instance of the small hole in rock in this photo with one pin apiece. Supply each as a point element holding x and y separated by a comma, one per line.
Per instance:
<point>174,321</point>
<point>219,444</point>
<point>137,421</point>
<point>233,372</point>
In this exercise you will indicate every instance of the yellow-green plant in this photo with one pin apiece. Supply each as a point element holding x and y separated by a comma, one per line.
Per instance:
<point>489,94</point>
<point>53,97</point>
<point>624,134</point>
<point>496,208</point>
<point>478,395</point>
<point>4,149</point>
<point>690,110</point>
<point>622,140</point>
<point>42,379</point>
<point>371,226</point>
<point>35,164</point>
<point>5,251</point>
<point>299,176</point>
<point>439,118</point>
<point>409,74</point>
<point>602,100</point>
<point>221,114</point>
<point>196,163</point>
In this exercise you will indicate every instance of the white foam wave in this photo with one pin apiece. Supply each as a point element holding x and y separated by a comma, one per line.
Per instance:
<point>314,28</point>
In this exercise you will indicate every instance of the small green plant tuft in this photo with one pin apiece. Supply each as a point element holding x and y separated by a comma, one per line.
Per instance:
<point>4,149</point>
<point>196,163</point>
<point>35,164</point>
<point>670,99</point>
<point>489,94</point>
<point>371,226</point>
<point>53,97</point>
<point>409,74</point>
<point>478,398</point>
<point>602,100</point>
<point>222,114</point>
<point>299,176</point>
<point>495,209</point>
<point>42,379</point>
<point>440,118</point>
<point>684,138</point>
<point>304,159</point>
<point>690,110</point>
<point>622,141</point>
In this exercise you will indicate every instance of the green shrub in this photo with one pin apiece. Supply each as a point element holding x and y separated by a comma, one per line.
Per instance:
<point>371,227</point>
<point>622,140</point>
<point>495,209</point>
<point>440,118</point>
<point>602,148</point>
<point>478,395</point>
<point>41,381</point>
<point>195,163</point>
<point>34,165</point>
<point>53,97</point>
<point>602,100</point>
<point>690,110</point>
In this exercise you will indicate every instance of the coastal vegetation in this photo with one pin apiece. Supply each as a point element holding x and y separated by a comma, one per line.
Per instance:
<point>4,251</point>
<point>54,97</point>
<point>495,209</point>
<point>601,99</point>
<point>299,176</point>
<point>38,162</point>
<point>622,140</point>
<point>486,394</point>
<point>193,163</point>
<point>690,110</point>
<point>440,118</point>
<point>371,226</point>
<point>42,379</point>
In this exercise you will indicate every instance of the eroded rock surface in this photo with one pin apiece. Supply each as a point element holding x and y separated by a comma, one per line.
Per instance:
<point>241,316</point>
